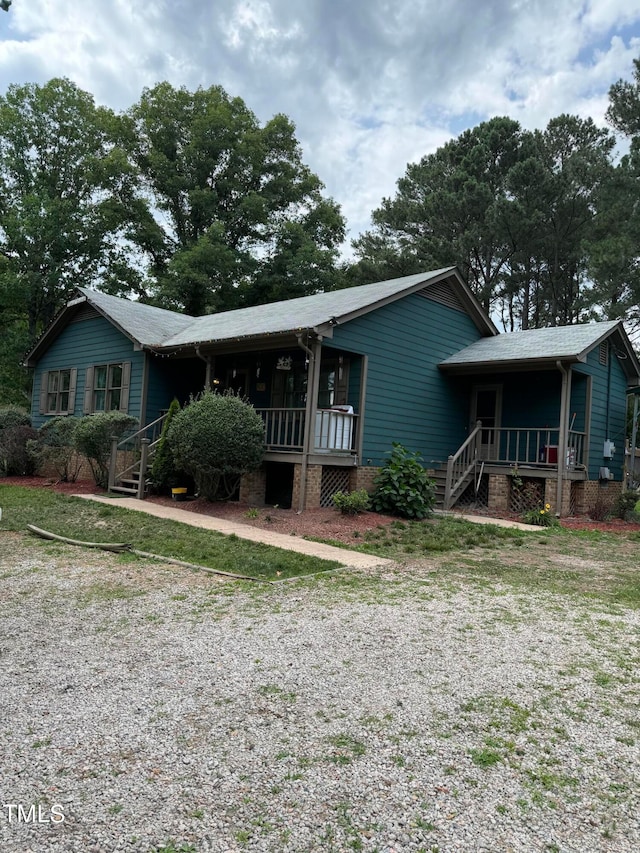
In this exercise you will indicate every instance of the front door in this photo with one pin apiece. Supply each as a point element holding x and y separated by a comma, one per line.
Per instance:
<point>486,406</point>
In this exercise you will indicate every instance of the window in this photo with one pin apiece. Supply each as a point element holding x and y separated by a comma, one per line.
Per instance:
<point>107,388</point>
<point>58,391</point>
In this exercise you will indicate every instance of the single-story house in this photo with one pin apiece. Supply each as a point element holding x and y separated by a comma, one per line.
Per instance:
<point>339,376</point>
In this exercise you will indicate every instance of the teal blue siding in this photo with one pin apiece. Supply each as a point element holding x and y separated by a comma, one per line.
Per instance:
<point>405,341</point>
<point>169,378</point>
<point>608,412</point>
<point>81,345</point>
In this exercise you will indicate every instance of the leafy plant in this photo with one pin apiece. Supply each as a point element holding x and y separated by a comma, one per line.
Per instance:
<point>13,416</point>
<point>93,437</point>
<point>625,506</point>
<point>165,475</point>
<point>352,503</point>
<point>216,439</point>
<point>540,516</point>
<point>55,448</point>
<point>16,458</point>
<point>403,486</point>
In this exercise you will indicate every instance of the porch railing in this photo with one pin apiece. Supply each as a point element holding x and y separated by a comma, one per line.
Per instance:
<point>334,430</point>
<point>531,446</point>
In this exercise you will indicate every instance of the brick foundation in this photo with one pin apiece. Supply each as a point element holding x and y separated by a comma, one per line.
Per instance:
<point>499,486</point>
<point>591,493</point>
<point>314,481</point>
<point>252,487</point>
<point>362,478</point>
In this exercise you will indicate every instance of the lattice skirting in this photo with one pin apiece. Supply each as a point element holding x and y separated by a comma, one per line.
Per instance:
<point>333,480</point>
<point>469,498</point>
<point>528,495</point>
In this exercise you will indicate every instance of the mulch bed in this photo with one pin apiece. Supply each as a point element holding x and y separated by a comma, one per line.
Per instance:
<point>316,522</point>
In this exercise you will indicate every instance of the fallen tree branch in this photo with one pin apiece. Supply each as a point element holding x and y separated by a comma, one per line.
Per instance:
<point>120,547</point>
<point>104,546</point>
<point>197,567</point>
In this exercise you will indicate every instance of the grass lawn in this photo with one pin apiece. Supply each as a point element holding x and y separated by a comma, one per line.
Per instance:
<point>597,565</point>
<point>88,521</point>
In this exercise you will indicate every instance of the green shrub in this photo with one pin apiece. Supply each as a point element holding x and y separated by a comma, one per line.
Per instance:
<point>624,505</point>
<point>165,475</point>
<point>16,457</point>
<point>13,416</point>
<point>352,503</point>
<point>216,439</point>
<point>55,447</point>
<point>403,486</point>
<point>540,516</point>
<point>93,436</point>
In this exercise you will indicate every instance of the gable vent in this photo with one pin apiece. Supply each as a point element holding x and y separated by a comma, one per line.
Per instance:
<point>444,293</point>
<point>84,312</point>
<point>603,354</point>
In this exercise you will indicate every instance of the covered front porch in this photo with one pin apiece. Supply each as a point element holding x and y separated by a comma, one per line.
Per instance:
<point>533,427</point>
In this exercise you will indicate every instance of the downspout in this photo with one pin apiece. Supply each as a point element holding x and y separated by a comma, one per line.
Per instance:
<point>311,406</point>
<point>207,376</point>
<point>562,432</point>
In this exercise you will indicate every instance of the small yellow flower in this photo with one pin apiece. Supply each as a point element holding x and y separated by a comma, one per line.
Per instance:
<point>547,506</point>
<point>541,512</point>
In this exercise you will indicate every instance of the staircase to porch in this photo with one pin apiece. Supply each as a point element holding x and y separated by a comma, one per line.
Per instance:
<point>135,453</point>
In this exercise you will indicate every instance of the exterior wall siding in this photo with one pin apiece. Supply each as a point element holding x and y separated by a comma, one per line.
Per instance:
<point>83,344</point>
<point>405,341</point>
<point>608,412</point>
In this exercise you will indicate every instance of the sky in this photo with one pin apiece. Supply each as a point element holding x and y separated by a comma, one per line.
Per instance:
<point>371,85</point>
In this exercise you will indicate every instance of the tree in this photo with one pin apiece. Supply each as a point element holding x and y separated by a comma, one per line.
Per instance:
<point>557,200</point>
<point>450,208</point>
<point>63,190</point>
<point>237,207</point>
<point>624,104</point>
<point>512,209</point>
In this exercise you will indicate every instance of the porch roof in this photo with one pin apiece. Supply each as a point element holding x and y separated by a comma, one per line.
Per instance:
<point>539,348</point>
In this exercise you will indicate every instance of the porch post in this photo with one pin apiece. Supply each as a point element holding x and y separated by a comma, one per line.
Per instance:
<point>313,383</point>
<point>562,431</point>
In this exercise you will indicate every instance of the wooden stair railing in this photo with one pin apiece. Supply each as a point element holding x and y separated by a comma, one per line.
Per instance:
<point>460,466</point>
<point>142,444</point>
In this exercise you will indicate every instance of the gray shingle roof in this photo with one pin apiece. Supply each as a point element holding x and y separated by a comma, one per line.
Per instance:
<point>145,323</point>
<point>306,312</point>
<point>559,342</point>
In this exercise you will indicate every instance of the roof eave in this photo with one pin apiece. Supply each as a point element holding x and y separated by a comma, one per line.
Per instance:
<point>507,365</point>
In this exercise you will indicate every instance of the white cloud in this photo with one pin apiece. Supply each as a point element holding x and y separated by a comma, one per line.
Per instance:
<point>370,84</point>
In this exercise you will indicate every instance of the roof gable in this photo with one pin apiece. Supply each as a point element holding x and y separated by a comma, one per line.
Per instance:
<point>144,324</point>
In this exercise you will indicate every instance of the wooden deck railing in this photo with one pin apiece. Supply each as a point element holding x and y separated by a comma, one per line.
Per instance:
<point>334,432</point>
<point>510,446</point>
<point>532,446</point>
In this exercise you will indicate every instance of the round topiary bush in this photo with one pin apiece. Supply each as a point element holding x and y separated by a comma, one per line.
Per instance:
<point>216,439</point>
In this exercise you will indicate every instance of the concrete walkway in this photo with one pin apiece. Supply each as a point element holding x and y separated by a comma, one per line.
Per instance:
<point>350,559</point>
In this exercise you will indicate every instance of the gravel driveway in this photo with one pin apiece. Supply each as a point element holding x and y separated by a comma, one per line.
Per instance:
<point>390,711</point>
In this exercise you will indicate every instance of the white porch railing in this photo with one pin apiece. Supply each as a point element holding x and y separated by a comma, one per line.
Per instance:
<point>284,430</point>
